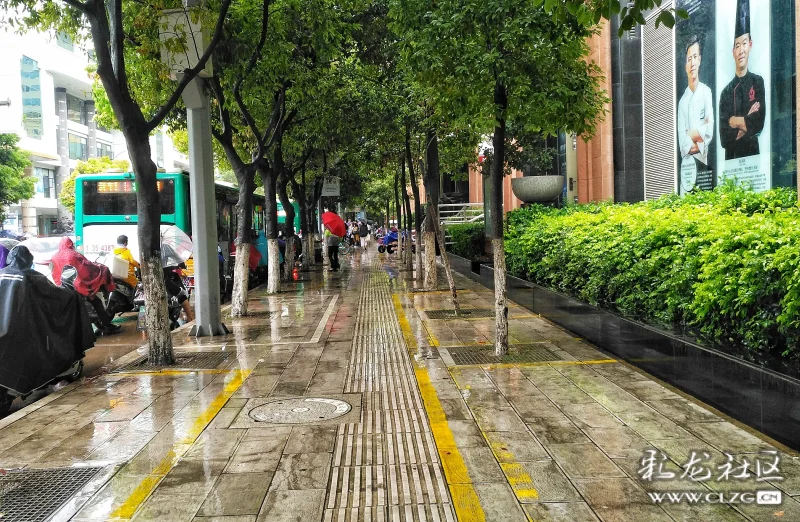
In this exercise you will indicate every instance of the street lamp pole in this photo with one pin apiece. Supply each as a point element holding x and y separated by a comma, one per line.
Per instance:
<point>180,29</point>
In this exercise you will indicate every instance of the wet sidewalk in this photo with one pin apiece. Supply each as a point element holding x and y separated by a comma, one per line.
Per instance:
<point>353,396</point>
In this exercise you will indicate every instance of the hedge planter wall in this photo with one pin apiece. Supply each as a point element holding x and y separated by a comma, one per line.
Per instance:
<point>723,264</point>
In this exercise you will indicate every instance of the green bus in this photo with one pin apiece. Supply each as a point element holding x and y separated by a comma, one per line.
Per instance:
<point>105,208</point>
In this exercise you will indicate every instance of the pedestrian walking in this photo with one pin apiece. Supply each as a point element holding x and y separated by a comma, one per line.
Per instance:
<point>363,232</point>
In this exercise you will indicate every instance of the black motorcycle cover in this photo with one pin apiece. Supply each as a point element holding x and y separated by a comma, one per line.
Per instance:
<point>44,329</point>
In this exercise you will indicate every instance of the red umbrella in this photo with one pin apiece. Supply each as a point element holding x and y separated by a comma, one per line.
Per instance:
<point>334,223</point>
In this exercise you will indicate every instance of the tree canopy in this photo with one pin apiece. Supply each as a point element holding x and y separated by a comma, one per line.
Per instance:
<point>14,184</point>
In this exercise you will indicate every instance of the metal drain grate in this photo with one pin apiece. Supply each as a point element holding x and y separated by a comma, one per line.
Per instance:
<point>423,290</point>
<point>517,353</point>
<point>183,361</point>
<point>466,313</point>
<point>34,495</point>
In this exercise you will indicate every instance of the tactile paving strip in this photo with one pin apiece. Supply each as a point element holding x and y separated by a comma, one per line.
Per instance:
<point>34,495</point>
<point>517,353</point>
<point>385,467</point>
<point>466,313</point>
<point>183,361</point>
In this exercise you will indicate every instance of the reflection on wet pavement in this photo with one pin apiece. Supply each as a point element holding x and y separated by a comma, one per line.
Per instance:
<point>424,439</point>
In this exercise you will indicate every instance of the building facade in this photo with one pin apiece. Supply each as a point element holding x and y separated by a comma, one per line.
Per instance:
<point>710,100</point>
<point>45,81</point>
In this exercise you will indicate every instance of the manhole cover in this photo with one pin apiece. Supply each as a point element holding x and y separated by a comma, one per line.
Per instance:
<point>34,495</point>
<point>517,353</point>
<point>466,313</point>
<point>299,411</point>
<point>183,361</point>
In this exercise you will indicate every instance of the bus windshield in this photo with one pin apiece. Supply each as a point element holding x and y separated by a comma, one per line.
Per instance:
<point>118,197</point>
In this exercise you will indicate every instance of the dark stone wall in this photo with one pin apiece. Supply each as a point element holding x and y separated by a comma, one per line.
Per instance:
<point>626,109</point>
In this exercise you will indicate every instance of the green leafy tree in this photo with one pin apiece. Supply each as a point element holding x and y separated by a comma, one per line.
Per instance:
<point>493,62</point>
<point>125,37</point>
<point>14,184</point>
<point>91,166</point>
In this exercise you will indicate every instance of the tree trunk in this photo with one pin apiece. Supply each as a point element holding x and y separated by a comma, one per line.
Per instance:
<point>409,259</point>
<point>304,222</point>
<point>496,204</point>
<point>431,182</point>
<point>398,219</point>
<point>159,338</point>
<point>273,269</point>
<point>288,228</point>
<point>244,225</point>
<point>417,203</point>
<point>446,261</point>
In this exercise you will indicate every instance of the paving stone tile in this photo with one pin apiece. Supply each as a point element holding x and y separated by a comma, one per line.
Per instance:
<point>311,439</point>
<point>237,494</point>
<point>618,442</point>
<point>632,513</point>
<point>557,431</point>
<point>512,446</point>
<point>567,394</point>
<point>499,503</point>
<point>685,512</point>
<point>728,438</point>
<point>254,456</point>
<point>648,391</point>
<point>293,506</point>
<point>240,518</point>
<point>169,506</point>
<point>583,461</point>
<point>540,481</point>
<point>466,434</point>
<point>611,492</point>
<point>683,411</point>
<point>652,425</point>
<point>591,415</point>
<point>455,409</point>
<point>302,471</point>
<point>192,476</point>
<point>498,419</point>
<point>560,512</point>
<point>481,464</point>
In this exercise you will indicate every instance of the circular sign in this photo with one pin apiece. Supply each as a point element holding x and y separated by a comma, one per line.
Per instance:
<point>299,411</point>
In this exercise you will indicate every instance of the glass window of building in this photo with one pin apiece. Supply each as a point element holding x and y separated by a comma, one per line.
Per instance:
<point>31,98</point>
<point>78,149</point>
<point>46,182</point>
<point>64,41</point>
<point>104,149</point>
<point>76,109</point>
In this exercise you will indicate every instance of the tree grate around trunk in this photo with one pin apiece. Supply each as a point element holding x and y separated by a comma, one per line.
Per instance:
<point>484,354</point>
<point>466,313</point>
<point>34,495</point>
<point>183,361</point>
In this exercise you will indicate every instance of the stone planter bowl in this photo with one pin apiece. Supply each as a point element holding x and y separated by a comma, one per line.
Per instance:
<point>537,189</point>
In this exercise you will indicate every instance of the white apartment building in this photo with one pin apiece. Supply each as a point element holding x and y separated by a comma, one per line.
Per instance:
<point>46,99</point>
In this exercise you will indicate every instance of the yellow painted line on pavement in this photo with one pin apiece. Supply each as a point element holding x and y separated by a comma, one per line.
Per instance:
<point>466,503</point>
<point>128,508</point>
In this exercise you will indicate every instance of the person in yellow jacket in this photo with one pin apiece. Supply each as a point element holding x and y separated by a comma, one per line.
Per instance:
<point>122,252</point>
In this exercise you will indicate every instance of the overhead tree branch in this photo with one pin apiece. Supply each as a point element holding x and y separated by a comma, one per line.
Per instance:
<point>190,74</point>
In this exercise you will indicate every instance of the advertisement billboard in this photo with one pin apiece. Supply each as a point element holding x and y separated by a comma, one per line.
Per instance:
<point>743,85</point>
<point>722,62</point>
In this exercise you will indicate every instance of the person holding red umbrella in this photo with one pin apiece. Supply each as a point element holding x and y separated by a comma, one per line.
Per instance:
<point>335,229</point>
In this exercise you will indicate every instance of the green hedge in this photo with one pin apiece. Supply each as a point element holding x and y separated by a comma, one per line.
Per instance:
<point>724,263</point>
<point>468,240</point>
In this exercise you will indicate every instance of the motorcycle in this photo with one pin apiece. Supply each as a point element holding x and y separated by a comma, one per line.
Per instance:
<point>71,371</point>
<point>176,295</point>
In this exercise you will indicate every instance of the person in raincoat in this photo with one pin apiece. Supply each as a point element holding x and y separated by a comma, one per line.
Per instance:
<point>92,278</point>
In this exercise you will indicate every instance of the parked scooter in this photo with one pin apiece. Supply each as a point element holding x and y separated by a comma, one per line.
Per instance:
<point>176,295</point>
<point>17,382</point>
